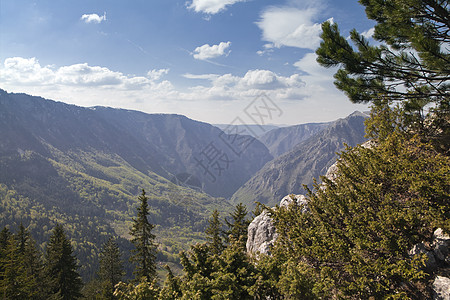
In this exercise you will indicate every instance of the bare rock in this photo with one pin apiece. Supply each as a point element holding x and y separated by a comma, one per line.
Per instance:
<point>261,234</point>
<point>261,231</point>
<point>441,288</point>
<point>441,242</point>
<point>297,199</point>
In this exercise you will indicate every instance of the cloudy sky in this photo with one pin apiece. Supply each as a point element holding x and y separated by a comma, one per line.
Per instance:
<point>206,59</point>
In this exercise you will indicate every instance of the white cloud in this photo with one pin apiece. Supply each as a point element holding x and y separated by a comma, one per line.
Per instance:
<point>23,71</point>
<point>368,33</point>
<point>26,71</point>
<point>201,76</point>
<point>218,98</point>
<point>157,74</point>
<point>288,26</point>
<point>83,74</point>
<point>206,51</point>
<point>253,82</point>
<point>93,18</point>
<point>211,6</point>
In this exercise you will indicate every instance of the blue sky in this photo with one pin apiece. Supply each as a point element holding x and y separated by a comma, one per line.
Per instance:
<point>206,59</point>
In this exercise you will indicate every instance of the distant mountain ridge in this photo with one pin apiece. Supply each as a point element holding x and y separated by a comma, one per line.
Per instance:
<point>254,130</point>
<point>164,144</point>
<point>310,159</point>
<point>282,140</point>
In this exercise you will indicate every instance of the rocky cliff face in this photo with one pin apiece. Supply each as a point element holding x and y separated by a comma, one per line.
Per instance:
<point>261,231</point>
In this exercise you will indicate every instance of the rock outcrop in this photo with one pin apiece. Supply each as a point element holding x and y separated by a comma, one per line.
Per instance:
<point>261,234</point>
<point>261,231</point>
<point>436,252</point>
<point>441,288</point>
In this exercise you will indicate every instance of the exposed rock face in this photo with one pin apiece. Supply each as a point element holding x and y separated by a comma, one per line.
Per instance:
<point>261,231</point>
<point>441,242</point>
<point>298,199</point>
<point>441,288</point>
<point>437,252</point>
<point>261,234</point>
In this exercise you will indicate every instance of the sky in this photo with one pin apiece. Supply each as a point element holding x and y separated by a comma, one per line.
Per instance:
<point>209,60</point>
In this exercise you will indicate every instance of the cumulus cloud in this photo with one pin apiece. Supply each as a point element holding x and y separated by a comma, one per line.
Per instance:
<point>211,6</point>
<point>207,97</point>
<point>157,74</point>
<point>206,51</point>
<point>253,82</point>
<point>287,26</point>
<point>23,71</point>
<point>93,18</point>
<point>368,33</point>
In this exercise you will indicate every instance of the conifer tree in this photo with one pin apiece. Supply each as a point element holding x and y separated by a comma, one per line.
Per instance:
<point>172,286</point>
<point>144,254</point>
<point>214,234</point>
<point>5,235</point>
<point>411,33</point>
<point>111,268</point>
<point>354,243</point>
<point>409,64</point>
<point>31,260</point>
<point>15,282</point>
<point>64,282</point>
<point>238,226</point>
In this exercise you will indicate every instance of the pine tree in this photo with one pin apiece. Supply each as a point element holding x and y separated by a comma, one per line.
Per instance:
<point>5,235</point>
<point>238,226</point>
<point>214,234</point>
<point>144,256</point>
<point>410,64</point>
<point>64,282</point>
<point>111,268</point>
<point>15,282</point>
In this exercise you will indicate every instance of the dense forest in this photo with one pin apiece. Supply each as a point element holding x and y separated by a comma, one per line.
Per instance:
<point>353,238</point>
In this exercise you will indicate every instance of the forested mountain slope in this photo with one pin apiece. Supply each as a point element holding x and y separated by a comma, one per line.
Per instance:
<point>310,159</point>
<point>84,167</point>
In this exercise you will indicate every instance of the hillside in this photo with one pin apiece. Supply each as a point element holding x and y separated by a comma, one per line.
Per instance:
<point>84,167</point>
<point>310,159</point>
<point>284,139</point>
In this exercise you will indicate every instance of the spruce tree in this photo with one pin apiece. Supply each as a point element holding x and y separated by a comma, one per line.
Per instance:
<point>238,226</point>
<point>144,254</point>
<point>31,259</point>
<point>15,282</point>
<point>5,235</point>
<point>64,282</point>
<point>111,268</point>
<point>214,234</point>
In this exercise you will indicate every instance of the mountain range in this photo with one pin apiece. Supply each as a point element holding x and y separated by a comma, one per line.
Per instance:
<point>84,167</point>
<point>307,160</point>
